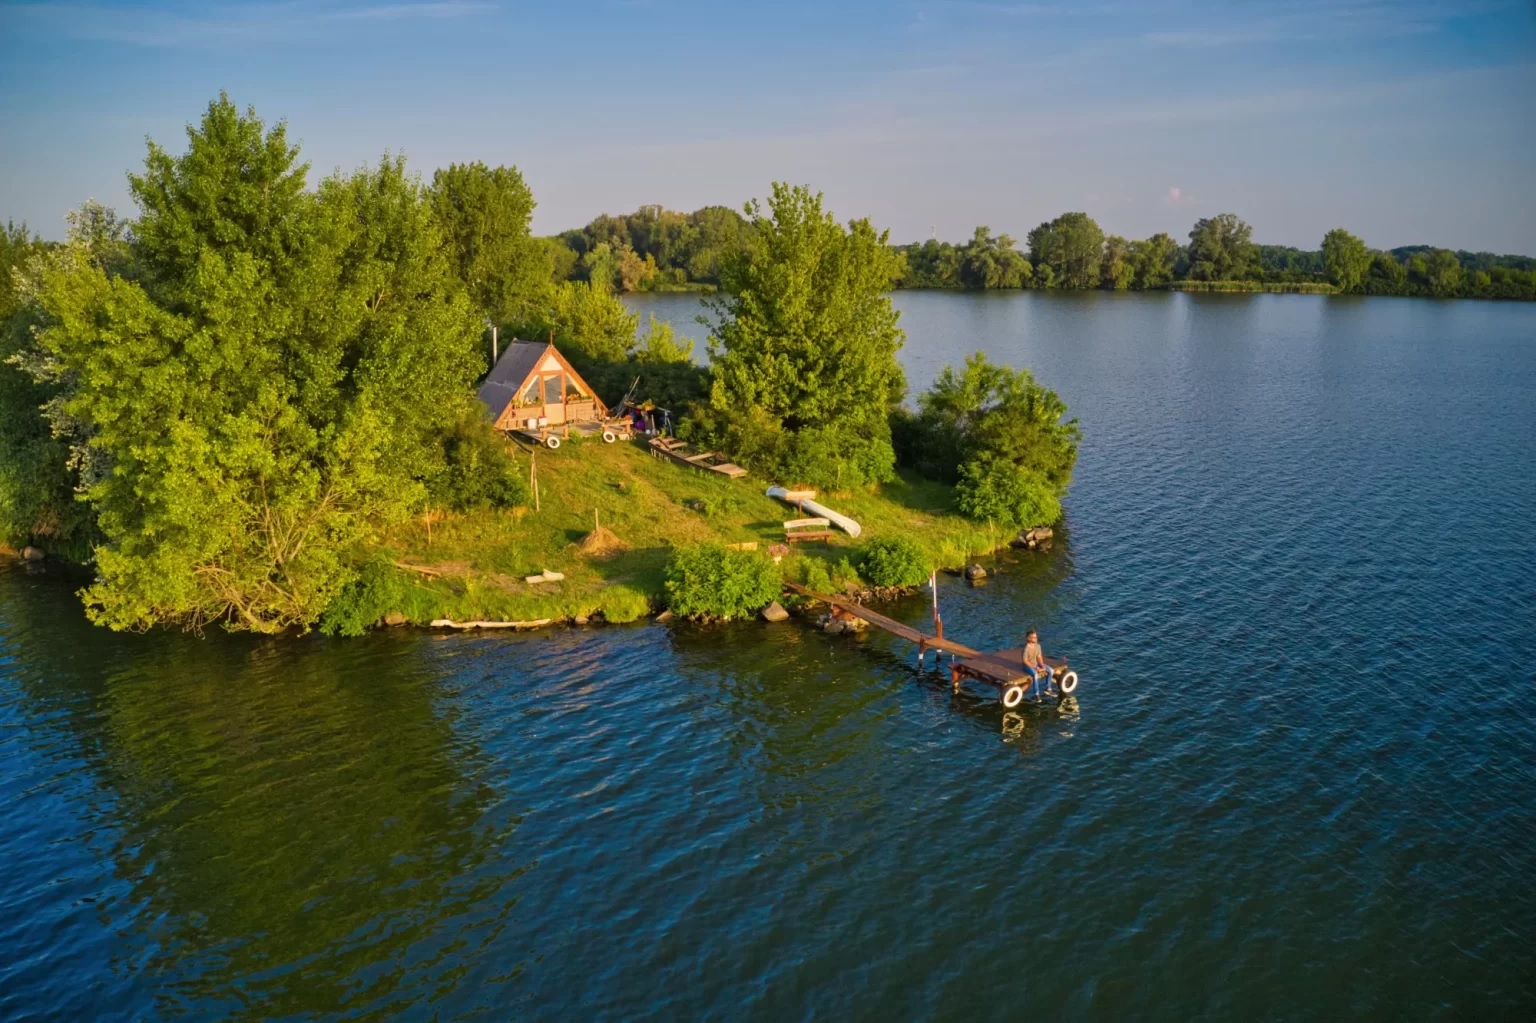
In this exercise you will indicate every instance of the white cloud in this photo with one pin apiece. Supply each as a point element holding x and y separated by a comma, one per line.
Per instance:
<point>1176,196</point>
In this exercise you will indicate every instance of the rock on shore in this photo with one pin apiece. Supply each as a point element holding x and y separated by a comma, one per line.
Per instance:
<point>1037,538</point>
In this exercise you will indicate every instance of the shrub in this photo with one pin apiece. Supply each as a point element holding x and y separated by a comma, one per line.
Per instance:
<point>824,576</point>
<point>993,489</point>
<point>377,590</point>
<point>989,410</point>
<point>893,561</point>
<point>814,575</point>
<point>478,470</point>
<point>711,580</point>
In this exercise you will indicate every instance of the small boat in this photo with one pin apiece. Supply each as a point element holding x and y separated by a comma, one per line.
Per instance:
<point>682,454</point>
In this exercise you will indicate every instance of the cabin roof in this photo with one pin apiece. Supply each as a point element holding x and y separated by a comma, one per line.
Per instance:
<point>510,373</point>
<point>517,365</point>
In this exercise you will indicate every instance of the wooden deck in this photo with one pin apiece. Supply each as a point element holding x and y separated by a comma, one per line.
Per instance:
<point>1003,668</point>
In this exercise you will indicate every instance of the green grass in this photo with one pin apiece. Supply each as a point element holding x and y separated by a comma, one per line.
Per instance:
<point>481,559</point>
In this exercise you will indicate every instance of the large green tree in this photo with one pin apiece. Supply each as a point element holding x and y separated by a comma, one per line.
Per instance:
<point>485,214</point>
<point>1346,260</point>
<point>991,261</point>
<point>238,190</point>
<point>17,246</point>
<point>1073,246</point>
<point>1117,271</point>
<point>804,346</point>
<point>36,488</point>
<point>997,410</point>
<point>1444,274</point>
<point>1221,249</point>
<point>265,390</point>
<point>1386,276</point>
<point>1152,260</point>
<point>1000,436</point>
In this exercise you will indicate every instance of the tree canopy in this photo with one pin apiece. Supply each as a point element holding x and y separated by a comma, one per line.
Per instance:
<point>262,383</point>
<point>655,248</point>
<point>485,213</point>
<point>804,346</point>
<point>1221,249</point>
<point>1073,246</point>
<point>1346,260</point>
<point>1000,435</point>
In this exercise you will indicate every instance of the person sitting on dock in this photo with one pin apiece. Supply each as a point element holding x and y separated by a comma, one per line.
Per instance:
<point>1034,662</point>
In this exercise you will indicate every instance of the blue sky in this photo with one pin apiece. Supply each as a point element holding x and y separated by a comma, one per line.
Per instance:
<point>1405,121</point>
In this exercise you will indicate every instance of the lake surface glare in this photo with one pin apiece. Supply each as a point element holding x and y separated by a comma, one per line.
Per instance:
<point>1298,577</point>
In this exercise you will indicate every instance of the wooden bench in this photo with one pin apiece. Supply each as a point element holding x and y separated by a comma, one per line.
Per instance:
<point>796,530</point>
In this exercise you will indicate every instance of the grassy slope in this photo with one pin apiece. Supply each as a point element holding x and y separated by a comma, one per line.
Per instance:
<point>483,557</point>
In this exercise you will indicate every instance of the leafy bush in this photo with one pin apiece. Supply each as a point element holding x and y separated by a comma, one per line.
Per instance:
<point>893,561</point>
<point>839,459</point>
<point>478,470</point>
<point>989,409</point>
<point>814,575</point>
<point>711,580</point>
<point>994,489</point>
<point>378,589</point>
<point>825,576</point>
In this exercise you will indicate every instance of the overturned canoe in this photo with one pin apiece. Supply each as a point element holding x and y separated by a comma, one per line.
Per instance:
<point>842,522</point>
<point>682,454</point>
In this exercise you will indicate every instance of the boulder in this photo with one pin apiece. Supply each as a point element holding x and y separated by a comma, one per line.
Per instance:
<point>665,616</point>
<point>975,573</point>
<point>394,618</point>
<point>32,554</point>
<point>834,626</point>
<point>581,620</point>
<point>1038,536</point>
<point>774,612</point>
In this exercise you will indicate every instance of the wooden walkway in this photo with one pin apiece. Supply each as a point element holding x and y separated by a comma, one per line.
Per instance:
<point>922,639</point>
<point>1004,669</point>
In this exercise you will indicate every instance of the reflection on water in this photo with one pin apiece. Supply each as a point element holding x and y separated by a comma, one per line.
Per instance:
<point>766,822</point>
<point>292,829</point>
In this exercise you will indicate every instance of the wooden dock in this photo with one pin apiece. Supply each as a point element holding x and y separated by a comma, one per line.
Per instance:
<point>1003,669</point>
<point>924,641</point>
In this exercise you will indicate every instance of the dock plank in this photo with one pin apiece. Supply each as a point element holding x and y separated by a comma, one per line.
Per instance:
<point>890,625</point>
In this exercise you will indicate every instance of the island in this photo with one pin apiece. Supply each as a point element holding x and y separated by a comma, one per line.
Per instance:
<point>270,407</point>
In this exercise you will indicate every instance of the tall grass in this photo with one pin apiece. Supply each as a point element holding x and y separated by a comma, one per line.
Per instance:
<point>1270,287</point>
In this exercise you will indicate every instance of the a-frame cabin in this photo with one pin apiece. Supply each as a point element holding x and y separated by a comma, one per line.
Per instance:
<point>533,386</point>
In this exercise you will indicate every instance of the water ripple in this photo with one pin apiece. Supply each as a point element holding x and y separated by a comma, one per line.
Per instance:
<point>1299,574</point>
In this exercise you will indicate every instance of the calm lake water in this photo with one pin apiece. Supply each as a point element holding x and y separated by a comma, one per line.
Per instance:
<point>1298,577</point>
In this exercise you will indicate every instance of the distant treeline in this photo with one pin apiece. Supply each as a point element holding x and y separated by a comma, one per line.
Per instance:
<point>654,249</point>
